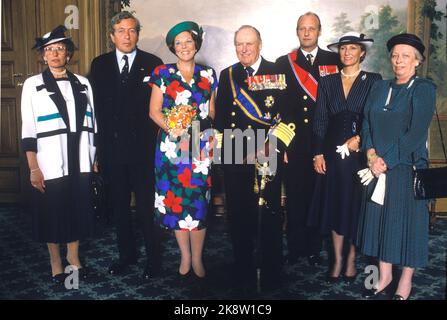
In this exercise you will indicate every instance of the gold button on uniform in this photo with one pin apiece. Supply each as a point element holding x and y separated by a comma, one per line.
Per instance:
<point>305,97</point>
<point>233,113</point>
<point>233,125</point>
<point>306,120</point>
<point>305,109</point>
<point>234,103</point>
<point>249,126</point>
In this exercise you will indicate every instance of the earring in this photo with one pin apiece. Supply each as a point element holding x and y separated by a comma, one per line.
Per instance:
<point>46,62</point>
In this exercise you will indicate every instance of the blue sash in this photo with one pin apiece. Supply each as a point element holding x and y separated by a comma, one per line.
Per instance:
<point>246,103</point>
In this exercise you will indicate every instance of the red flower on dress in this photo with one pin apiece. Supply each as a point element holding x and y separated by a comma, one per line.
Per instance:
<point>185,178</point>
<point>157,69</point>
<point>173,202</point>
<point>173,88</point>
<point>204,84</point>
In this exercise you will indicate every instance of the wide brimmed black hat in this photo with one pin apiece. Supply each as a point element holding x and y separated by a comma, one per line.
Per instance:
<point>409,39</point>
<point>58,34</point>
<point>351,37</point>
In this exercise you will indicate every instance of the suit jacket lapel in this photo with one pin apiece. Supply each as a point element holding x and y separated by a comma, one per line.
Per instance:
<point>58,99</point>
<point>303,63</point>
<point>240,76</point>
<point>261,67</point>
<point>113,62</point>
<point>80,99</point>
<point>135,70</point>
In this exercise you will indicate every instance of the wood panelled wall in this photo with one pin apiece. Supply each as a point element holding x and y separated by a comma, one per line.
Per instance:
<point>22,22</point>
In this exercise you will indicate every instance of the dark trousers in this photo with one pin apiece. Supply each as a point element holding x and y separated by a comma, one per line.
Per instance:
<point>302,240</point>
<point>140,179</point>
<point>243,214</point>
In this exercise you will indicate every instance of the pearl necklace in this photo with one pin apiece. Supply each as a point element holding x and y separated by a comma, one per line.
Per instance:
<point>350,75</point>
<point>59,73</point>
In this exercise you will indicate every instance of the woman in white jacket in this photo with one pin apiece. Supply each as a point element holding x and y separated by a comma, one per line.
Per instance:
<point>58,129</point>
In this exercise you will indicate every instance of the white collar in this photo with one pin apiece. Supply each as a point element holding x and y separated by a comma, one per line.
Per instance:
<point>130,56</point>
<point>313,52</point>
<point>256,65</point>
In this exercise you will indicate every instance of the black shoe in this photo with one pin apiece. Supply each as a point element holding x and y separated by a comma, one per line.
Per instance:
<point>314,260</point>
<point>59,278</point>
<point>399,297</point>
<point>373,293</point>
<point>349,279</point>
<point>332,280</point>
<point>184,279</point>
<point>119,267</point>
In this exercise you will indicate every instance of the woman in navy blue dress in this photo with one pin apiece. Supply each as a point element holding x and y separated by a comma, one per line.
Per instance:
<point>338,117</point>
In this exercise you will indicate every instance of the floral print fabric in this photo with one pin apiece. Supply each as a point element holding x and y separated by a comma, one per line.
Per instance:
<point>183,184</point>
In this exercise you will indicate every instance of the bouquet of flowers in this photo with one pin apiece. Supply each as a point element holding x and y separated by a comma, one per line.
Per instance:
<point>179,118</point>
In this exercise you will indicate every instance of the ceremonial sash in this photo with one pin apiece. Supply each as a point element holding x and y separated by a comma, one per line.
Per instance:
<point>246,103</point>
<point>304,78</point>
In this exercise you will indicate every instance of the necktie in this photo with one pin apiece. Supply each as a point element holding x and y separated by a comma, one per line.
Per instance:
<point>249,71</point>
<point>125,70</point>
<point>309,58</point>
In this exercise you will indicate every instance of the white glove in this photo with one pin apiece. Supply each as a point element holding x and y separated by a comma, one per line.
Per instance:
<point>343,151</point>
<point>379,191</point>
<point>366,176</point>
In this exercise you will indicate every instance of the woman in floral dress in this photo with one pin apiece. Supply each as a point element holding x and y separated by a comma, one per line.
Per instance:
<point>183,182</point>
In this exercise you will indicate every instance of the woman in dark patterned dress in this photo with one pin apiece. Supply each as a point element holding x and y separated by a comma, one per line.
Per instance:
<point>338,118</point>
<point>183,181</point>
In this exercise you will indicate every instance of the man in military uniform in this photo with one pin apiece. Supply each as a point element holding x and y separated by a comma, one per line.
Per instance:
<point>246,99</point>
<point>303,68</point>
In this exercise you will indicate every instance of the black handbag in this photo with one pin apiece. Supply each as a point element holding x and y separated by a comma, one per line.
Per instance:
<point>431,183</point>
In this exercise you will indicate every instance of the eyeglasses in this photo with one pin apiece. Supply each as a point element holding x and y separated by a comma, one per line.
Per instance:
<point>52,49</point>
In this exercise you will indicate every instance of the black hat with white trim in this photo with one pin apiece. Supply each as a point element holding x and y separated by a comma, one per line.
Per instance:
<point>351,37</point>
<point>57,35</point>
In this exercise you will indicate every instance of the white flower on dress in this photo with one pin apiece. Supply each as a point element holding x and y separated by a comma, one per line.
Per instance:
<point>201,166</point>
<point>162,86</point>
<point>183,97</point>
<point>159,203</point>
<point>208,73</point>
<point>188,223</point>
<point>171,70</point>
<point>204,109</point>
<point>169,148</point>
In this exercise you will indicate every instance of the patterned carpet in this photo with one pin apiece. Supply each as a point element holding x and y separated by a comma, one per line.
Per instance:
<point>24,269</point>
